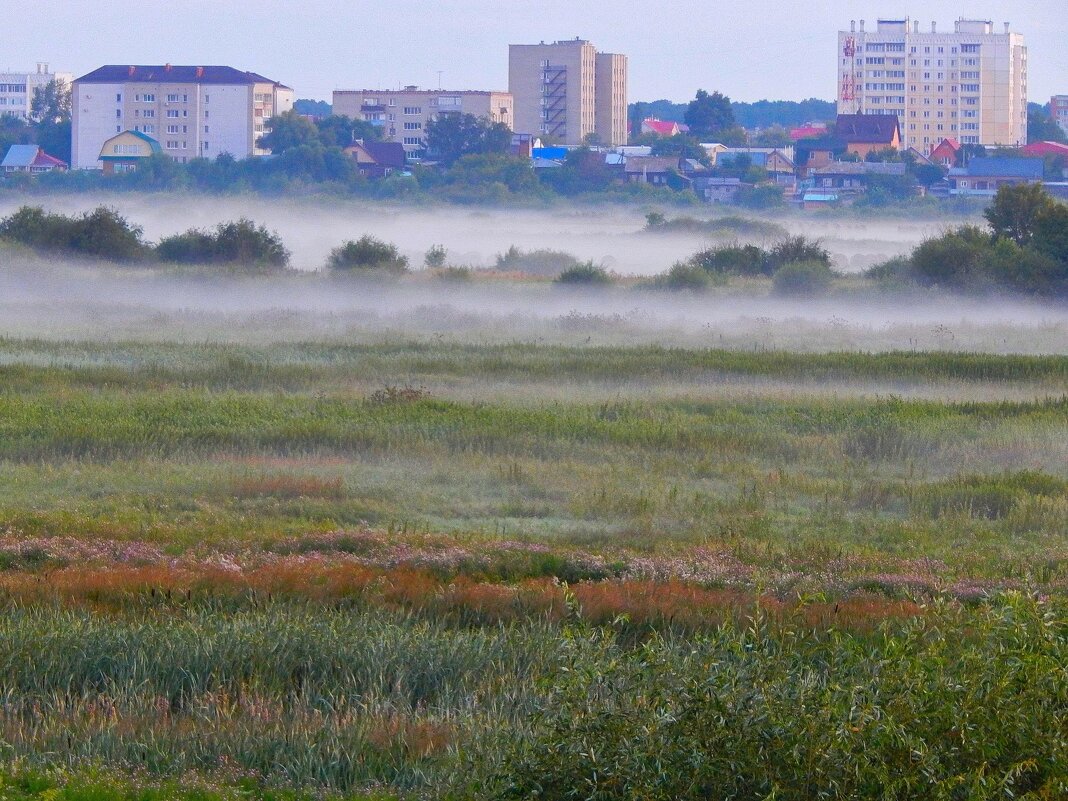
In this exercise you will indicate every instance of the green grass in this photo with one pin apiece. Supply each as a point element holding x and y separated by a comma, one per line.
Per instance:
<point>465,480</point>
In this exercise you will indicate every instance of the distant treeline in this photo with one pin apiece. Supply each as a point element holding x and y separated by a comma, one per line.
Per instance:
<point>761,114</point>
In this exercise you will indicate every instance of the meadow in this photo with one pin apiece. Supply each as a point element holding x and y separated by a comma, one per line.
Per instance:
<point>444,569</point>
<point>290,537</point>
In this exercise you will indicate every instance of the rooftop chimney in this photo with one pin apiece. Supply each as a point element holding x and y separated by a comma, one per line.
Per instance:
<point>200,72</point>
<point>132,70</point>
<point>934,27</point>
<point>916,26</point>
<point>166,67</point>
<point>1006,27</point>
<point>852,26</point>
<point>862,26</point>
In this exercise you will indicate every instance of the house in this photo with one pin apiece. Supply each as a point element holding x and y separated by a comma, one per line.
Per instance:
<point>813,199</point>
<point>945,153</point>
<point>193,112</point>
<point>665,128</point>
<point>713,149</point>
<point>852,176</point>
<point>656,170</point>
<point>124,151</point>
<point>865,133</point>
<point>984,176</point>
<point>523,145</point>
<point>30,159</point>
<point>377,159</point>
<point>812,130</point>
<point>1043,149</point>
<point>774,160</point>
<point>718,190</point>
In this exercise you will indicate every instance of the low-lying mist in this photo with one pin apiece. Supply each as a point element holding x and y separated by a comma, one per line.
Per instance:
<point>610,236</point>
<point>69,300</point>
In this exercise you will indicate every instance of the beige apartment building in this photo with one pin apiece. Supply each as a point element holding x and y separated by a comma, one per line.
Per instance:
<point>968,84</point>
<point>567,91</point>
<point>192,112</point>
<point>403,114</point>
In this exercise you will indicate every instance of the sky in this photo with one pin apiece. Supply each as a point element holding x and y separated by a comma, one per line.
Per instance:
<point>750,51</point>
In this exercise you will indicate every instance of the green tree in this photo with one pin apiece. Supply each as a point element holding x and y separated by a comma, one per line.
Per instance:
<point>681,145</point>
<point>51,102</point>
<point>775,136</point>
<point>1041,127</point>
<point>452,136</point>
<point>289,130</point>
<point>708,114</point>
<point>1015,209</point>
<point>342,131</point>
<point>1050,232</point>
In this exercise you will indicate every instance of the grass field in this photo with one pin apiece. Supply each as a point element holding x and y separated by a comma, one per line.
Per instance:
<point>452,569</point>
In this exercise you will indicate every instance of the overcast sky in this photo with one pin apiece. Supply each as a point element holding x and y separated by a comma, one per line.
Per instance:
<point>751,50</point>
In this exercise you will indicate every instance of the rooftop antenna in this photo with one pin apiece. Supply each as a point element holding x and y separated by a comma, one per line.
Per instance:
<point>439,79</point>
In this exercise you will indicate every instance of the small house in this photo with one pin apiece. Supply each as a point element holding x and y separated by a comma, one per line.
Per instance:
<point>868,133</point>
<point>377,159</point>
<point>124,151</point>
<point>983,177</point>
<point>30,159</point>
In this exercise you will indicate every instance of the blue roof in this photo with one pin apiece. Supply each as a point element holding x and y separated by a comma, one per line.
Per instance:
<point>559,153</point>
<point>1006,168</point>
<point>20,156</point>
<point>757,159</point>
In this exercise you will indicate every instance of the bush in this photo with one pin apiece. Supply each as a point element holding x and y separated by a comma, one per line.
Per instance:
<point>803,278</point>
<point>797,249</point>
<point>548,263</point>
<point>587,274</point>
<point>435,257</point>
<point>241,242</point>
<point>368,254</point>
<point>684,276</point>
<point>733,260</point>
<point>895,271</point>
<point>102,233</point>
<point>953,260</point>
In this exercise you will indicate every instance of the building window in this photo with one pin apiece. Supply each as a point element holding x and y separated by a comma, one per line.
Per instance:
<point>206,146</point>
<point>411,111</point>
<point>150,112</point>
<point>206,129</point>
<point>413,126</point>
<point>118,98</point>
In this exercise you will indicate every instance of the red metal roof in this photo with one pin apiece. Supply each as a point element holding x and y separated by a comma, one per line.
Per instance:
<point>1045,149</point>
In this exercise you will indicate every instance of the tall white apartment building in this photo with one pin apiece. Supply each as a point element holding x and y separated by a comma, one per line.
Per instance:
<point>567,91</point>
<point>403,114</point>
<point>191,111</point>
<point>968,84</point>
<point>17,88</point>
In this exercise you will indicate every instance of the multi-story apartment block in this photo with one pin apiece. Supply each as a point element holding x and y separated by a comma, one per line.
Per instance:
<point>1058,109</point>
<point>567,91</point>
<point>191,111</point>
<point>403,114</point>
<point>17,88</point>
<point>969,84</point>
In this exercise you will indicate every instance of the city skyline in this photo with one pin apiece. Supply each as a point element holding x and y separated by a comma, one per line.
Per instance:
<point>465,43</point>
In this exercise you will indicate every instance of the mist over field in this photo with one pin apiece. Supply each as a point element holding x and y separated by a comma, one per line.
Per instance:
<point>610,236</point>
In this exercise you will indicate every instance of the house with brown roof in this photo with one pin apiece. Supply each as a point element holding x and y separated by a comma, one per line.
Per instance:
<point>945,153</point>
<point>868,133</point>
<point>377,159</point>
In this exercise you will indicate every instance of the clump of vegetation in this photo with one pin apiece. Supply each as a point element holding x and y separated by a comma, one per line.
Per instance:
<point>233,243</point>
<point>368,255</point>
<point>803,278</point>
<point>391,394</point>
<point>587,274</point>
<point>718,226</point>
<point>718,263</point>
<point>454,273</point>
<point>435,257</point>
<point>683,277</point>
<point>545,263</point>
<point>102,233</point>
<point>1024,249</point>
